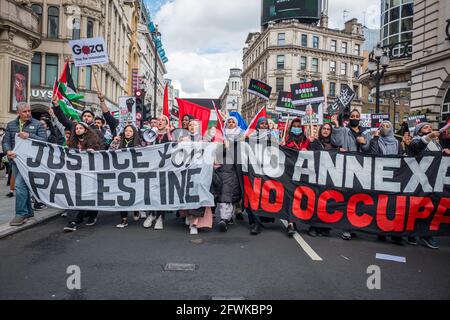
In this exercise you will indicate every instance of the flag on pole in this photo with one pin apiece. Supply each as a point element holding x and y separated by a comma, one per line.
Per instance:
<point>241,122</point>
<point>200,113</point>
<point>166,102</point>
<point>253,123</point>
<point>220,133</point>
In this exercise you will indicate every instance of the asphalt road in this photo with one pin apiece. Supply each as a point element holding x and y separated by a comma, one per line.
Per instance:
<point>129,264</point>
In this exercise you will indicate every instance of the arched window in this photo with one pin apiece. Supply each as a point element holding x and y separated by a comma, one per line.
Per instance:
<point>90,29</point>
<point>446,106</point>
<point>53,22</point>
<point>76,29</point>
<point>38,10</point>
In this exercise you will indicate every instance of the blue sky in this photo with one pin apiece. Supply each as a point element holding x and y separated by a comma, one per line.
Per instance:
<point>203,39</point>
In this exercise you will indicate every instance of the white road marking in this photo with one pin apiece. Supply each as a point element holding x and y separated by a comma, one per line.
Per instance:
<point>305,246</point>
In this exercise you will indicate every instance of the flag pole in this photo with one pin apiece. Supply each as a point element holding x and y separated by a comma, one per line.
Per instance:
<point>286,127</point>
<point>95,79</point>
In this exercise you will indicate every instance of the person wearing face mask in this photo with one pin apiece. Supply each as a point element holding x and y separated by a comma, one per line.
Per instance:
<point>129,138</point>
<point>82,138</point>
<point>296,137</point>
<point>163,135</point>
<point>425,140</point>
<point>385,143</point>
<point>353,137</point>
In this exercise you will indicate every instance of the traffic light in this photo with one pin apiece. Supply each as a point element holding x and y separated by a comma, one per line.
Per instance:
<point>140,98</point>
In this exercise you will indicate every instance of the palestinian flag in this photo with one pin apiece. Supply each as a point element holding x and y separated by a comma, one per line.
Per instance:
<point>66,92</point>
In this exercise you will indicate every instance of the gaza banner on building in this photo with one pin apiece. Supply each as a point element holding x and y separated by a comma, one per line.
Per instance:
<point>351,191</point>
<point>89,51</point>
<point>168,177</point>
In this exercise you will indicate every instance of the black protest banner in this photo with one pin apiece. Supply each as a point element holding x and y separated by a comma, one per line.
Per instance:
<point>284,104</point>
<point>307,93</point>
<point>351,191</point>
<point>413,121</point>
<point>343,101</point>
<point>169,176</point>
<point>259,89</point>
<point>377,119</point>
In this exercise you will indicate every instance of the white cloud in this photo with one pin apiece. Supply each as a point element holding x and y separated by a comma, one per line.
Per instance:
<point>203,39</point>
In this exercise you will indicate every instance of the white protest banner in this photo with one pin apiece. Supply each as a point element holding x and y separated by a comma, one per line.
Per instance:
<point>168,176</point>
<point>89,51</point>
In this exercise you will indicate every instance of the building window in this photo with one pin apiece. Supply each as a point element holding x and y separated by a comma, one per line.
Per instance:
<point>51,69</point>
<point>446,107</point>
<point>357,50</point>
<point>356,90</point>
<point>355,70</point>
<point>332,67</point>
<point>343,69</point>
<point>76,29</point>
<point>280,84</point>
<point>53,22</point>
<point>332,89</point>
<point>90,29</point>
<point>304,40</point>
<point>281,39</point>
<point>38,10</point>
<point>303,63</point>
<point>88,77</point>
<point>315,65</point>
<point>344,47</point>
<point>75,71</point>
<point>36,69</point>
<point>280,62</point>
<point>333,45</point>
<point>316,42</point>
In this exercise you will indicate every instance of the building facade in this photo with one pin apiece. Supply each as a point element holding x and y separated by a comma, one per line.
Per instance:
<point>231,97</point>
<point>19,35</point>
<point>430,62</point>
<point>290,52</point>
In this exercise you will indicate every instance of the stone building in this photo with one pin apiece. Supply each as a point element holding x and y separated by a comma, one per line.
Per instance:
<point>231,97</point>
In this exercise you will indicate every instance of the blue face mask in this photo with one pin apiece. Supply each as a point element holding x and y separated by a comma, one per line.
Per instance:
<point>296,131</point>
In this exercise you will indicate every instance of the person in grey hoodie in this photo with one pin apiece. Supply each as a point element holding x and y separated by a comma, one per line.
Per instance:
<point>352,138</point>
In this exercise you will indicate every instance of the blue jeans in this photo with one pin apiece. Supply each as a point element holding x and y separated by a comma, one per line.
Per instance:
<point>23,198</point>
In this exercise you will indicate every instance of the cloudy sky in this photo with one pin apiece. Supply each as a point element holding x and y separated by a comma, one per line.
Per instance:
<point>203,39</point>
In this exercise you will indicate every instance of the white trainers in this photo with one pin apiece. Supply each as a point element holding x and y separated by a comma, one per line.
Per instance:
<point>123,224</point>
<point>136,216</point>
<point>149,221</point>
<point>143,214</point>
<point>193,230</point>
<point>159,223</point>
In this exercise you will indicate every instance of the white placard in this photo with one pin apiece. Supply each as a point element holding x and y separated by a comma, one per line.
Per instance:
<point>89,51</point>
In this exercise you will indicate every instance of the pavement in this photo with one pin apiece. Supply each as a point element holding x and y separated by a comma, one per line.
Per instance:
<point>131,263</point>
<point>7,212</point>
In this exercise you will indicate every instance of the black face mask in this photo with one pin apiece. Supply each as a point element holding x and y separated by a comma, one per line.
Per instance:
<point>354,123</point>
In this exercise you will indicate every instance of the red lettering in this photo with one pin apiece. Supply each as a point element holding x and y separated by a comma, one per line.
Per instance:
<point>300,192</point>
<point>419,208</point>
<point>363,220</point>
<point>279,196</point>
<point>443,207</point>
<point>251,194</point>
<point>399,219</point>
<point>322,212</point>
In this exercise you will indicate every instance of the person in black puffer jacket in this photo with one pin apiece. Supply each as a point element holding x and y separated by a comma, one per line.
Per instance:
<point>229,195</point>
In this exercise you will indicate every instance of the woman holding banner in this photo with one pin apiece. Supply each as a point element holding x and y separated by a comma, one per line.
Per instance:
<point>82,138</point>
<point>129,138</point>
<point>163,135</point>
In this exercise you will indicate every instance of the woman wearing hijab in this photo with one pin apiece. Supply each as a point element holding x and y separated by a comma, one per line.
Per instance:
<point>82,138</point>
<point>129,138</point>
<point>163,135</point>
<point>385,143</point>
<point>296,138</point>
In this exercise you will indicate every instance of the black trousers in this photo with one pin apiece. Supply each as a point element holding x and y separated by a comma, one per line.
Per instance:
<point>77,216</point>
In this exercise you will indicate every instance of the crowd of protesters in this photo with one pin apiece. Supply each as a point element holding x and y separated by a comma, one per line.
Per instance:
<point>100,133</point>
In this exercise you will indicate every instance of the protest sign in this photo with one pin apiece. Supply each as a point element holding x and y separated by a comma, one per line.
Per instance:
<point>284,104</point>
<point>348,191</point>
<point>259,89</point>
<point>413,121</point>
<point>313,115</point>
<point>366,121</point>
<point>89,51</point>
<point>377,119</point>
<point>127,111</point>
<point>343,101</point>
<point>307,93</point>
<point>161,177</point>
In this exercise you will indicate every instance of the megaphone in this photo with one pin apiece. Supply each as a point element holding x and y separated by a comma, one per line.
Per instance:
<point>149,136</point>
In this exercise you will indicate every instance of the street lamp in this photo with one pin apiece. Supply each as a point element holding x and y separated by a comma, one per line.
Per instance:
<point>377,58</point>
